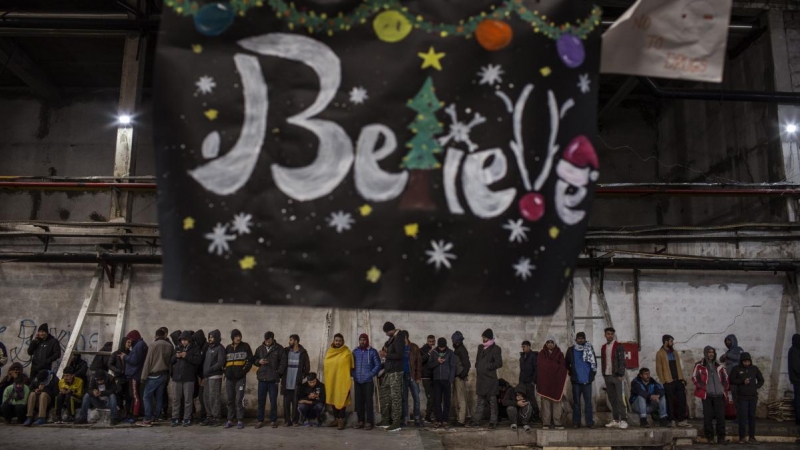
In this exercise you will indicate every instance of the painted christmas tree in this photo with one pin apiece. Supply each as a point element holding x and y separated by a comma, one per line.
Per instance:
<point>420,159</point>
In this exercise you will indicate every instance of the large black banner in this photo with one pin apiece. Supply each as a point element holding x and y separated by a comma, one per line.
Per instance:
<point>422,155</point>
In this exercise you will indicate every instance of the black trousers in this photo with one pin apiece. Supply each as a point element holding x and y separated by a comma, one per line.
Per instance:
<point>365,408</point>
<point>339,413</point>
<point>441,400</point>
<point>714,408</point>
<point>290,412</point>
<point>746,415</point>
<point>676,400</point>
<point>10,411</point>
<point>427,384</point>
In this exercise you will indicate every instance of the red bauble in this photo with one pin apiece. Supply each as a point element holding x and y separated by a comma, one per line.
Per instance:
<point>531,206</point>
<point>493,35</point>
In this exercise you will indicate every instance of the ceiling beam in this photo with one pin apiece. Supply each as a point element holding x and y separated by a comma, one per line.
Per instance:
<point>21,65</point>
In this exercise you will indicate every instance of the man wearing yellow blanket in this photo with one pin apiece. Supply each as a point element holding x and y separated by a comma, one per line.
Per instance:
<point>338,364</point>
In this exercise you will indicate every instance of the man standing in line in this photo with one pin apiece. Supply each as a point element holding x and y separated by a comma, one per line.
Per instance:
<point>338,366</point>
<point>710,383</point>
<point>298,367</point>
<point>270,358</point>
<point>670,372</point>
<point>463,366</point>
<point>394,352</point>
<point>613,373</point>
<point>732,357</point>
<point>185,362</point>
<point>552,380</point>
<point>132,363</point>
<point>487,361</point>
<point>213,364</point>
<point>238,361</point>
<point>794,377</point>
<point>155,375</point>
<point>748,380</point>
<point>44,350</point>
<point>367,365</point>
<point>427,373</point>
<point>412,376</point>
<point>582,367</point>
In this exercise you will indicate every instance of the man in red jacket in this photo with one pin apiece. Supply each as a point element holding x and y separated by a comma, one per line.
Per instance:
<point>710,383</point>
<point>613,355</point>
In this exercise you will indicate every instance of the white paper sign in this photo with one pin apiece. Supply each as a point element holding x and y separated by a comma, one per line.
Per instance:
<point>683,39</point>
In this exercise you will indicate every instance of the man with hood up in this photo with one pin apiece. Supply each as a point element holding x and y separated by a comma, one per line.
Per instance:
<point>213,364</point>
<point>442,362</point>
<point>133,362</point>
<point>298,366</point>
<point>670,372</point>
<point>460,382</point>
<point>794,376</point>
<point>710,383</point>
<point>185,362</point>
<point>100,362</point>
<point>748,380</point>
<point>199,340</point>
<point>238,361</point>
<point>44,350</point>
<point>367,365</point>
<point>551,382</point>
<point>487,361</point>
<point>733,356</point>
<point>270,358</point>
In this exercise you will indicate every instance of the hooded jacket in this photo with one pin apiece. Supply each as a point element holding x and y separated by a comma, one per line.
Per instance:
<point>487,362</point>
<point>175,337</point>
<point>527,366</point>
<point>44,352</point>
<point>50,382</point>
<point>214,360</point>
<point>80,368</point>
<point>445,371</point>
<point>199,339</point>
<point>741,373</point>
<point>134,360</point>
<point>185,369</point>
<point>116,365</point>
<point>238,361</point>
<point>794,360</point>
<point>462,354</point>
<point>275,366</point>
<point>306,390</point>
<point>733,356</point>
<point>424,355</point>
<point>158,359</point>
<point>367,364</point>
<point>100,362</point>
<point>700,375</point>
<point>7,381</point>
<point>395,352</point>
<point>110,386</point>
<point>303,368</point>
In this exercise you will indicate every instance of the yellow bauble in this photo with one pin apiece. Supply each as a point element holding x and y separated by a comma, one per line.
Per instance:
<point>391,26</point>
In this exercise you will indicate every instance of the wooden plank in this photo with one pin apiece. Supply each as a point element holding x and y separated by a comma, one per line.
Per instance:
<point>124,291</point>
<point>91,296</point>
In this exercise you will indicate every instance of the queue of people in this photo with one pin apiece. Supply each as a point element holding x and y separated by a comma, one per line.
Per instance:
<point>133,383</point>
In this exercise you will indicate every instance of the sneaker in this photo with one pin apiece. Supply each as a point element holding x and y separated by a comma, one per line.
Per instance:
<point>743,441</point>
<point>545,427</point>
<point>513,427</point>
<point>239,425</point>
<point>684,424</point>
<point>213,423</point>
<point>612,424</point>
<point>40,422</point>
<point>145,423</point>
<point>187,423</point>
<point>274,424</point>
<point>527,429</point>
<point>664,422</point>
<point>753,441</point>
<point>175,422</point>
<point>306,424</point>
<point>229,424</point>
<point>643,422</point>
<point>623,424</point>
<point>368,427</point>
<point>559,427</point>
<point>492,426</point>
<point>672,424</point>
<point>28,422</point>
<point>395,427</point>
<point>259,425</point>
<point>287,424</point>
<point>359,425</point>
<point>384,424</point>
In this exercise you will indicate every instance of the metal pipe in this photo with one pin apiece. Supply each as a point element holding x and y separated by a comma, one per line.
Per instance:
<point>636,317</point>
<point>781,98</point>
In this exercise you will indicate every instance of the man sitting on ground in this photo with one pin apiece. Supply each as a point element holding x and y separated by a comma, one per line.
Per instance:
<point>102,393</point>
<point>311,401</point>
<point>41,398</point>
<point>647,397</point>
<point>518,408</point>
<point>70,392</point>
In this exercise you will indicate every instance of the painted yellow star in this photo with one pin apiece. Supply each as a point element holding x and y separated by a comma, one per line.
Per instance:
<point>431,59</point>
<point>554,232</point>
<point>373,274</point>
<point>197,48</point>
<point>545,71</point>
<point>188,223</point>
<point>365,210</point>
<point>412,229</point>
<point>211,114</point>
<point>247,263</point>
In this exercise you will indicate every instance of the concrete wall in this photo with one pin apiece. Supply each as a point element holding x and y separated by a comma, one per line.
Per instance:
<point>697,309</point>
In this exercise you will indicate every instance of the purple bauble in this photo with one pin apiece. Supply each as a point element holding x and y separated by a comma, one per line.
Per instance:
<point>570,50</point>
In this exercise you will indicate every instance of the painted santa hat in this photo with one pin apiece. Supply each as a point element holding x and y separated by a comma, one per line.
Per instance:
<point>578,162</point>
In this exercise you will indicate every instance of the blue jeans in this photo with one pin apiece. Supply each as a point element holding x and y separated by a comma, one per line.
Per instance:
<point>584,390</point>
<point>90,401</point>
<point>263,388</point>
<point>641,407</point>
<point>413,386</point>
<point>308,412</point>
<point>154,386</point>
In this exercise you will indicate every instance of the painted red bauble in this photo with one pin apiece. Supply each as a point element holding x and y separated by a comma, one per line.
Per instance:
<point>493,35</point>
<point>531,206</point>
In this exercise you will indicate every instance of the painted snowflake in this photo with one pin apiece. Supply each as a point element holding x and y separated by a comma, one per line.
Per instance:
<point>491,74</point>
<point>241,223</point>
<point>524,268</point>
<point>341,221</point>
<point>517,229</point>
<point>219,239</point>
<point>205,85</point>
<point>358,95</point>
<point>584,83</point>
<point>439,255</point>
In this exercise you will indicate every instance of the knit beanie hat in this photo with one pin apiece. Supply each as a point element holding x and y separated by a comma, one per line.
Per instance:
<point>44,327</point>
<point>388,326</point>
<point>235,333</point>
<point>488,334</point>
<point>442,342</point>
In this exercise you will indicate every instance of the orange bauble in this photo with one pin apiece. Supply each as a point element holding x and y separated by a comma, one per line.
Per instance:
<point>493,35</point>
